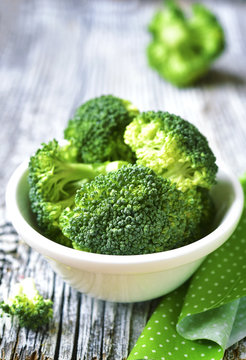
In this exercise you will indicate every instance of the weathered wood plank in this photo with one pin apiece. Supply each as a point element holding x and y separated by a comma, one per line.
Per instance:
<point>70,325</point>
<point>123,316</point>
<point>108,329</point>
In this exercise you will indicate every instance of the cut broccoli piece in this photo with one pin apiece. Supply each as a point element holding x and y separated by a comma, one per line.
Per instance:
<point>183,48</point>
<point>173,148</point>
<point>131,211</point>
<point>54,177</point>
<point>28,306</point>
<point>98,127</point>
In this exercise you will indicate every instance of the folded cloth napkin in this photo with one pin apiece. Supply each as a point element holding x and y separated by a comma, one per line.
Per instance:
<point>206,315</point>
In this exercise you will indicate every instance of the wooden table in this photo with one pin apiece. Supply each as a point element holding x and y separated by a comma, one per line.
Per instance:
<point>54,55</point>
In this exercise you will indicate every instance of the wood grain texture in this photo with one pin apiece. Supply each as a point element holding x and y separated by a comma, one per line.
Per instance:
<point>54,55</point>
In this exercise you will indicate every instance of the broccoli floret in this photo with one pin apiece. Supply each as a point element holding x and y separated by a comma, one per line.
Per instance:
<point>28,306</point>
<point>97,129</point>
<point>130,211</point>
<point>208,212</point>
<point>200,214</point>
<point>173,148</point>
<point>54,177</point>
<point>209,34</point>
<point>183,48</point>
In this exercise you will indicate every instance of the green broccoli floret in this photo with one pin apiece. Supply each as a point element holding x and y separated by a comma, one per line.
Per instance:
<point>28,306</point>
<point>173,148</point>
<point>208,212</point>
<point>130,211</point>
<point>98,127</point>
<point>183,48</point>
<point>54,177</point>
<point>200,214</point>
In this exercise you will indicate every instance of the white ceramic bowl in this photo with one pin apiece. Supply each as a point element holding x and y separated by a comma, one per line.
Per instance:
<point>125,278</point>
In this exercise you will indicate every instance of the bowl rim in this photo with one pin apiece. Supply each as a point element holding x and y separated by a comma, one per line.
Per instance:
<point>123,263</point>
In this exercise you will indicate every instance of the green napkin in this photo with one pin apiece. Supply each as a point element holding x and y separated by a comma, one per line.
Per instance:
<point>203,317</point>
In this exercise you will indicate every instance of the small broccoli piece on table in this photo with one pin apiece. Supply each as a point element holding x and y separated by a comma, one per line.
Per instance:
<point>28,306</point>
<point>54,177</point>
<point>98,127</point>
<point>130,211</point>
<point>173,148</point>
<point>183,48</point>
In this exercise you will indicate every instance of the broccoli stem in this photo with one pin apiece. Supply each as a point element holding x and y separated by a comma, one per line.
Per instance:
<point>68,177</point>
<point>78,171</point>
<point>179,171</point>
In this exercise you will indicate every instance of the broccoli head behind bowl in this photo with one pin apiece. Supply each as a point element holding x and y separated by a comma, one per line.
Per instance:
<point>183,48</point>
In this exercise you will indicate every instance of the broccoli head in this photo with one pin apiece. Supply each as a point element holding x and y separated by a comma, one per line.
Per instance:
<point>98,127</point>
<point>131,211</point>
<point>54,177</point>
<point>173,148</point>
<point>207,211</point>
<point>28,306</point>
<point>183,48</point>
<point>200,214</point>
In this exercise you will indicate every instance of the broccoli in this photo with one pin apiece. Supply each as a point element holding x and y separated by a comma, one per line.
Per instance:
<point>145,190</point>
<point>54,177</point>
<point>97,129</point>
<point>207,212</point>
<point>131,211</point>
<point>183,48</point>
<point>200,214</point>
<point>28,306</point>
<point>173,148</point>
